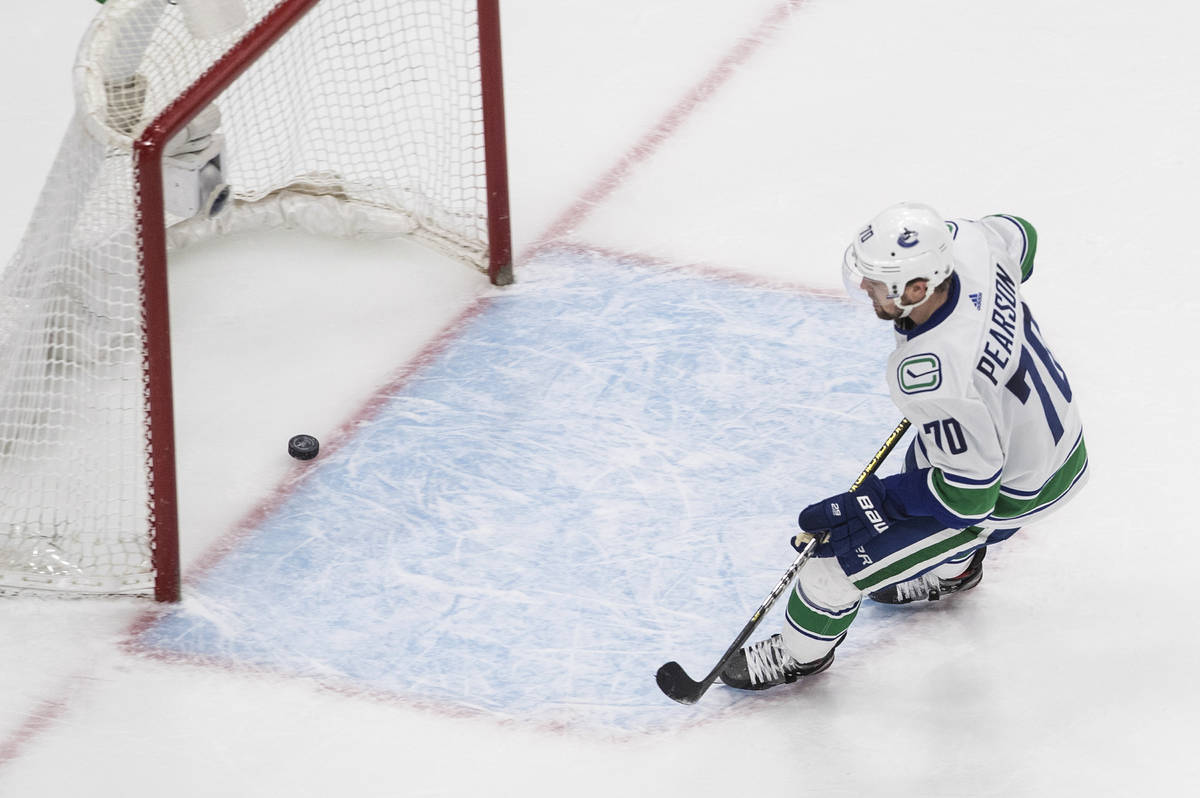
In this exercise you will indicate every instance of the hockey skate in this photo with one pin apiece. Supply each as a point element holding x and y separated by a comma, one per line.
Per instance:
<point>931,587</point>
<point>767,663</point>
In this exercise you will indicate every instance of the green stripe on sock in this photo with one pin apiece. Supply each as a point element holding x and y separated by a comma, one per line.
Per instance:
<point>807,619</point>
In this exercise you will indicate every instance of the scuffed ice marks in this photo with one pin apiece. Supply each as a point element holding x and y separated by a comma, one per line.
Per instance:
<point>599,473</point>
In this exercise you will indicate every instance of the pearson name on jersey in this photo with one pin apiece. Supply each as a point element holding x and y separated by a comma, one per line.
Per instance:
<point>999,440</point>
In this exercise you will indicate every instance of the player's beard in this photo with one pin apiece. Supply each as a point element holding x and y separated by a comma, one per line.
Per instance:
<point>885,314</point>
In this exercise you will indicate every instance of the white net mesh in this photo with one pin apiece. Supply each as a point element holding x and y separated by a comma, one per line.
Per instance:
<point>364,119</point>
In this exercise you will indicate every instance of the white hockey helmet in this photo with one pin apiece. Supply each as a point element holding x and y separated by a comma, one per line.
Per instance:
<point>905,242</point>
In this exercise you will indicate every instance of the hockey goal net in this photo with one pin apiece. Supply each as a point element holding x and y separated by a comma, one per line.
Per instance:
<point>343,117</point>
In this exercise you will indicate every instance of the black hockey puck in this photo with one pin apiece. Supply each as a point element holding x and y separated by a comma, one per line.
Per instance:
<point>303,447</point>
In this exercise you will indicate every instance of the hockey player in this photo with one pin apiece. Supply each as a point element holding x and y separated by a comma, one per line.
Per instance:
<point>999,442</point>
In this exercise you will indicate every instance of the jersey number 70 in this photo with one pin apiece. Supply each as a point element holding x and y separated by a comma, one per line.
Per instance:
<point>1027,372</point>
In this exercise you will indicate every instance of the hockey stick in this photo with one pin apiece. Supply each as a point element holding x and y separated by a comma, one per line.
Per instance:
<point>671,677</point>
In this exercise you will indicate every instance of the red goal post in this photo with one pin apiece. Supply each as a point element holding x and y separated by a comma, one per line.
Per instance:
<point>370,118</point>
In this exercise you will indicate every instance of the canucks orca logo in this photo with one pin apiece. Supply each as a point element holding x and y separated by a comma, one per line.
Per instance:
<point>908,238</point>
<point>920,373</point>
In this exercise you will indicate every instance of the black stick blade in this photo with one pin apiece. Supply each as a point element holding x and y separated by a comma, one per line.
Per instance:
<point>677,685</point>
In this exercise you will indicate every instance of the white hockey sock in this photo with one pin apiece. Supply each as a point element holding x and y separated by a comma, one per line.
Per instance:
<point>822,606</point>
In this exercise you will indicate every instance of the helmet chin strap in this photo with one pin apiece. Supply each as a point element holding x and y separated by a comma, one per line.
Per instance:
<point>907,309</point>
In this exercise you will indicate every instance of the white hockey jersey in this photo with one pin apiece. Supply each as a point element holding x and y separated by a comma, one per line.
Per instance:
<point>999,440</point>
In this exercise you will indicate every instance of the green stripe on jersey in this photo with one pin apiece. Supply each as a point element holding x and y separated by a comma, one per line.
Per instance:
<point>1030,242</point>
<point>1010,507</point>
<point>1031,250</point>
<point>965,502</point>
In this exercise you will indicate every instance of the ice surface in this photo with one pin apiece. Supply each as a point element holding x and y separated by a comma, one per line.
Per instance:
<point>593,476</point>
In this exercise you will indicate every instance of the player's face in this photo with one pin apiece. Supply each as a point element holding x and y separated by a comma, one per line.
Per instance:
<point>885,307</point>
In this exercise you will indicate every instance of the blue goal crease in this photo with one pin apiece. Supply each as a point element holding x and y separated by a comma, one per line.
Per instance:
<point>598,474</point>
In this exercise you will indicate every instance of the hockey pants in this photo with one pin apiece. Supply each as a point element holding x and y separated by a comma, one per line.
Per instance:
<point>829,590</point>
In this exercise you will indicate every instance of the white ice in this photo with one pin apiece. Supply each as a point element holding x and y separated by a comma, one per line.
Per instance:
<point>740,142</point>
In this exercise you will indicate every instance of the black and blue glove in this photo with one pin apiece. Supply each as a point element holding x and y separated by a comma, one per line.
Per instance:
<point>851,518</point>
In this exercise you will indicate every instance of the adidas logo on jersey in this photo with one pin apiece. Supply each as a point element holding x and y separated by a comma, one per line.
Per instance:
<point>977,300</point>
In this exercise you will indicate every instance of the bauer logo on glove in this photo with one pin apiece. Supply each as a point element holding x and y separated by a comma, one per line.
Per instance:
<point>865,517</point>
<point>873,516</point>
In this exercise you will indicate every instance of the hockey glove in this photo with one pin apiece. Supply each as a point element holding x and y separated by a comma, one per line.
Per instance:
<point>851,518</point>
